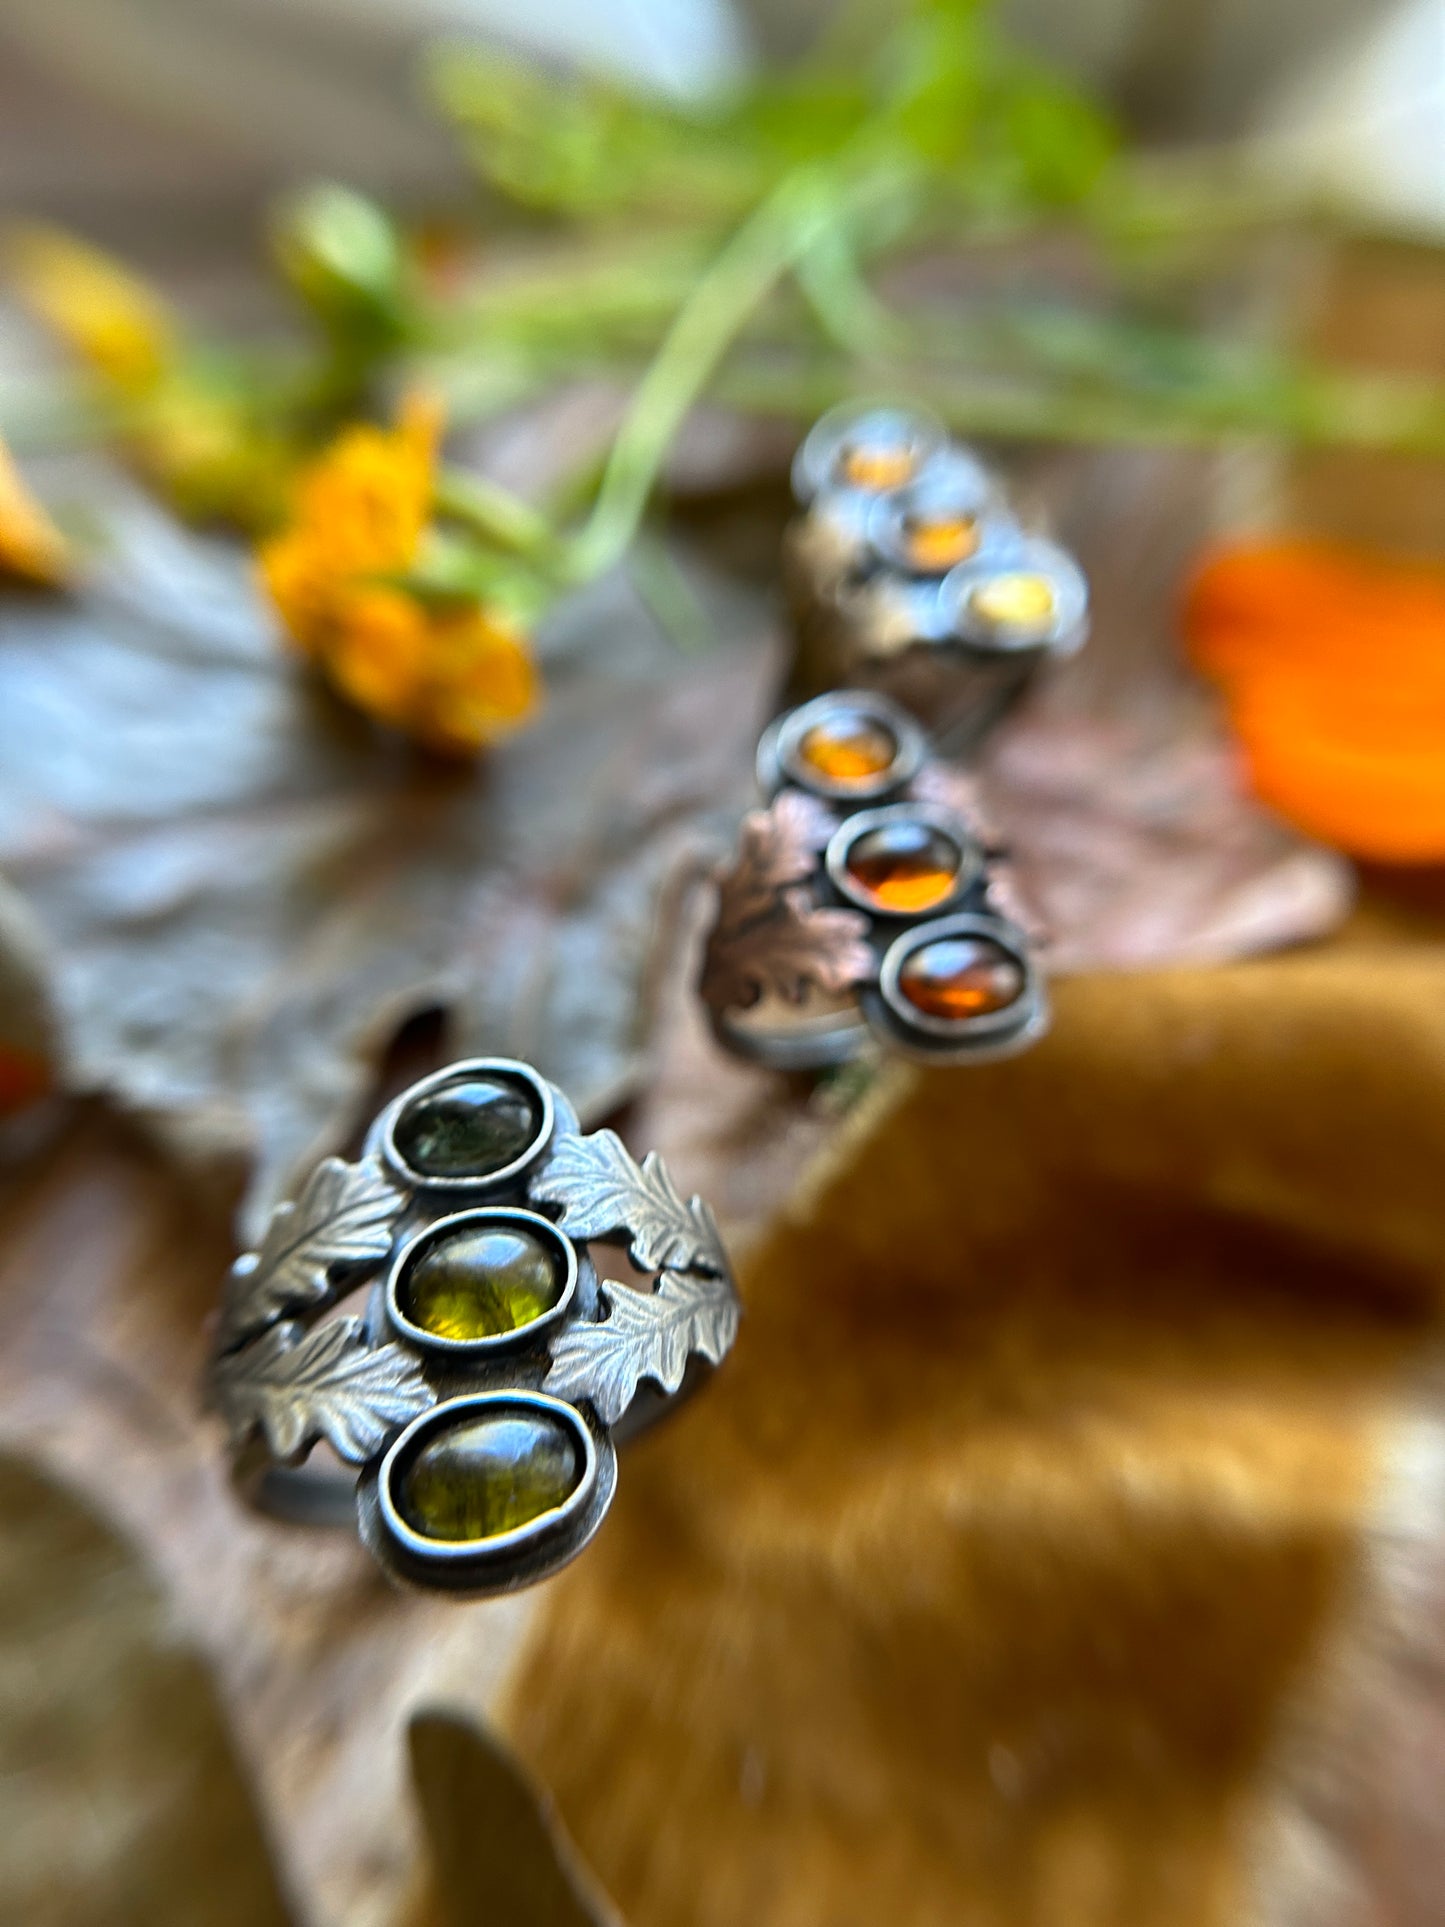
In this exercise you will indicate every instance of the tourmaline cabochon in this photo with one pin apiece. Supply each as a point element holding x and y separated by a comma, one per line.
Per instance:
<point>470,1128</point>
<point>490,1470</point>
<point>482,1276</point>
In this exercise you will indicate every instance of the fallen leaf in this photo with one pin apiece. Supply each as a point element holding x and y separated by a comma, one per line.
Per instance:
<point>499,1852</point>
<point>246,889</point>
<point>124,1801</point>
<point>111,1261</point>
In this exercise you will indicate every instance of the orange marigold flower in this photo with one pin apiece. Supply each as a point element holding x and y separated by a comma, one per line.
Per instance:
<point>1331,662</point>
<point>31,546</point>
<point>451,672</point>
<point>106,315</point>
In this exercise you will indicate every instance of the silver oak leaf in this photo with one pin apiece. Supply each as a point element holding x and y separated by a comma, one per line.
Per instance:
<point>344,1216</point>
<point>650,1334</point>
<point>602,1189</point>
<point>328,1384</point>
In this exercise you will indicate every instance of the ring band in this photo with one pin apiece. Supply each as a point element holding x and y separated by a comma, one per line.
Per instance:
<point>907,572</point>
<point>480,1393</point>
<point>867,903</point>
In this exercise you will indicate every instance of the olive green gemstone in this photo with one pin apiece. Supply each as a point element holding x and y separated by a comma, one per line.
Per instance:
<point>490,1474</point>
<point>468,1129</point>
<point>482,1280</point>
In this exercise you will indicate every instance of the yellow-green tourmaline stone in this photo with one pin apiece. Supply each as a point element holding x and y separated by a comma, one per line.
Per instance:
<point>467,1129</point>
<point>481,1280</point>
<point>489,1474</point>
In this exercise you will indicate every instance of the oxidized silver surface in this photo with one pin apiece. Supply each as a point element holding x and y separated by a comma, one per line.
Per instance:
<point>801,968</point>
<point>873,609</point>
<point>289,1372</point>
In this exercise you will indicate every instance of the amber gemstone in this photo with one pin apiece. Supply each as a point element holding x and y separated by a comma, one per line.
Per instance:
<point>934,544</point>
<point>849,747</point>
<point>468,1129</point>
<point>903,866</point>
<point>878,465</point>
<point>489,1472</point>
<point>1023,602</point>
<point>961,977</point>
<point>482,1280</point>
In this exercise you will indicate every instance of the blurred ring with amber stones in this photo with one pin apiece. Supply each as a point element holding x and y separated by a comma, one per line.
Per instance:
<point>471,1409</point>
<point>868,904</point>
<point>924,587</point>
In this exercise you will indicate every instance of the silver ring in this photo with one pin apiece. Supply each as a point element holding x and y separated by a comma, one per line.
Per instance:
<point>868,904</point>
<point>478,1393</point>
<point>919,581</point>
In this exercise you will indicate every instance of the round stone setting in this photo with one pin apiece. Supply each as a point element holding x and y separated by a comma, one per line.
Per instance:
<point>959,978</point>
<point>480,1278</point>
<point>934,544</point>
<point>488,1472</point>
<point>848,746</point>
<point>903,867</point>
<point>470,1128</point>
<point>1023,603</point>
<point>878,464</point>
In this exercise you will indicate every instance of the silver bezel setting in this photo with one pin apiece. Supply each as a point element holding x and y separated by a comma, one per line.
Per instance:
<point>780,760</point>
<point>546,1233</point>
<point>946,823</point>
<point>504,1070</point>
<point>815,463</point>
<point>1032,555</point>
<point>500,1546</point>
<point>953,483</point>
<point>991,1034</point>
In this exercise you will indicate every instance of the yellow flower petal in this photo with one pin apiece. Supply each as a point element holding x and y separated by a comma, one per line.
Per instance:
<point>115,323</point>
<point>377,653</point>
<point>480,682</point>
<point>31,546</point>
<point>452,677</point>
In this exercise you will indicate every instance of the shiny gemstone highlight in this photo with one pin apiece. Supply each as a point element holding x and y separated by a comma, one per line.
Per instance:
<point>961,977</point>
<point>489,1473</point>
<point>481,1281</point>
<point>934,544</point>
<point>1025,603</point>
<point>903,867</point>
<point>468,1129</point>
<point>878,465</point>
<point>849,747</point>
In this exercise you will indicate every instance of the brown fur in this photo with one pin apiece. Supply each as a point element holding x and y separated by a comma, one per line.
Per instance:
<point>986,1583</point>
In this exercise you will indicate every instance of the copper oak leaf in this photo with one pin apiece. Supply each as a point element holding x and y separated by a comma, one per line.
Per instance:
<point>345,1216</point>
<point>776,846</point>
<point>602,1189</point>
<point>650,1334</point>
<point>330,1384</point>
<point>785,953</point>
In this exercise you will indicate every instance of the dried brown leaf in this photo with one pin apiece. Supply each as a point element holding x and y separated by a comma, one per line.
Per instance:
<point>125,1803</point>
<point>246,888</point>
<point>499,1852</point>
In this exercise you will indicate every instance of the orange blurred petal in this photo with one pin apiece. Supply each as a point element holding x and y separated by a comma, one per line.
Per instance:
<point>1332,666</point>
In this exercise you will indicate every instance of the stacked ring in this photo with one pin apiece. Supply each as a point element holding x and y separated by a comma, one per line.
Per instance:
<point>867,902</point>
<point>479,1393</point>
<point>906,573</point>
